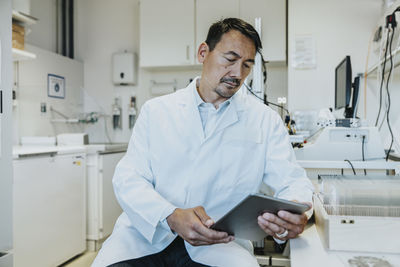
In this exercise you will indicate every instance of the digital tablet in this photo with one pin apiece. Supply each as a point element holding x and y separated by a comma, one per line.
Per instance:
<point>241,220</point>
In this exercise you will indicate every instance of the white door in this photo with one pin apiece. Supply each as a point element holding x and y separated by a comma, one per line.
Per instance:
<point>6,238</point>
<point>110,207</point>
<point>166,33</point>
<point>49,209</point>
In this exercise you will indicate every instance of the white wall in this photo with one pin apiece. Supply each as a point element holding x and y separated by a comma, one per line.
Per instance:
<point>345,29</point>
<point>277,85</point>
<point>340,28</point>
<point>370,105</point>
<point>32,91</point>
<point>103,28</point>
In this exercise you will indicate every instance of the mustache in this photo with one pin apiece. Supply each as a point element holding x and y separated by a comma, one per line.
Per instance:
<point>231,80</point>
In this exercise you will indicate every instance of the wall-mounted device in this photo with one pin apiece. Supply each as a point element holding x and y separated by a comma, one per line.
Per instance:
<point>124,68</point>
<point>117,114</point>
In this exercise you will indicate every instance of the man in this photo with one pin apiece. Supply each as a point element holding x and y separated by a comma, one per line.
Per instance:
<point>195,154</point>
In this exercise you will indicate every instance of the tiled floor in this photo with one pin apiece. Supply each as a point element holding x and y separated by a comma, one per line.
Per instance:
<point>84,260</point>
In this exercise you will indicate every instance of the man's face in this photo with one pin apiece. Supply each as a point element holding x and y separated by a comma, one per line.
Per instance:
<point>227,66</point>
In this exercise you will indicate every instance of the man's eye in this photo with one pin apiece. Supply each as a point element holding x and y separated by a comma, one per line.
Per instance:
<point>246,66</point>
<point>229,59</point>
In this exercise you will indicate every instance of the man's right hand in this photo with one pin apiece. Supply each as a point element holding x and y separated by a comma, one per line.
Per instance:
<point>193,225</point>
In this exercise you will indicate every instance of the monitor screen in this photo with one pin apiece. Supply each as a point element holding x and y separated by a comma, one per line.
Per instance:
<point>343,84</point>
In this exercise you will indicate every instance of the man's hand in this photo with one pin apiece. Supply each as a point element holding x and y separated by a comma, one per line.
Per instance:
<point>277,225</point>
<point>193,226</point>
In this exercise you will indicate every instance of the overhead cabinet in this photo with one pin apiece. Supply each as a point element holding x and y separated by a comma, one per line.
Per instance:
<point>273,25</point>
<point>171,31</point>
<point>166,33</point>
<point>210,11</point>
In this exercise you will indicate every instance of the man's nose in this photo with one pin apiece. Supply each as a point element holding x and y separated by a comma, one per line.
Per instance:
<point>236,70</point>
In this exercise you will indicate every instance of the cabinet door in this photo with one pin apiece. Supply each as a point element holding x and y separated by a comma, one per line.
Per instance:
<point>166,33</point>
<point>273,25</point>
<point>210,11</point>
<point>110,208</point>
<point>49,209</point>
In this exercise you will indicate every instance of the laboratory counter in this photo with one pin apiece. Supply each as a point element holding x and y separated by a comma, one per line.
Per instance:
<point>308,250</point>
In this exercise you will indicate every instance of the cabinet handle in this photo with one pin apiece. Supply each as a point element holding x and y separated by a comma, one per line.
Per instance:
<point>187,52</point>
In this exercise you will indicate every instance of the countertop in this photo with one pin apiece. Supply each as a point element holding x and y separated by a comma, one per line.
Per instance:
<point>308,250</point>
<point>38,150</point>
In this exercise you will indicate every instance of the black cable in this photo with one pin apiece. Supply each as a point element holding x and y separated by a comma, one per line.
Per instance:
<point>352,167</point>
<point>388,95</point>
<point>363,157</point>
<point>382,79</point>
<point>265,101</point>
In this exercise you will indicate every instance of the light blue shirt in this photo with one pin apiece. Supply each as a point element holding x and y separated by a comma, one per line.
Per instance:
<point>209,115</point>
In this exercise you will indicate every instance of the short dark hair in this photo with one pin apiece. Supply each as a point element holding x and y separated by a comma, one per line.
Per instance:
<point>223,26</point>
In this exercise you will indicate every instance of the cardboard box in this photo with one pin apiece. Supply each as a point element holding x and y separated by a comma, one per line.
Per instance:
<point>18,36</point>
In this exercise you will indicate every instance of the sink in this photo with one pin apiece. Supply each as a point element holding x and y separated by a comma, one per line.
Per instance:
<point>109,147</point>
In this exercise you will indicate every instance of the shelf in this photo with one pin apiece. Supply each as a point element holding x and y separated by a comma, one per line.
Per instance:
<point>19,55</point>
<point>396,62</point>
<point>23,18</point>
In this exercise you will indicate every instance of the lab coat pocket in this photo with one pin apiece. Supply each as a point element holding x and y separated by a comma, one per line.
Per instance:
<point>242,160</point>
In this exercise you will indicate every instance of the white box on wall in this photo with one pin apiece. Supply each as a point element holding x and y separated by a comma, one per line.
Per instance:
<point>124,68</point>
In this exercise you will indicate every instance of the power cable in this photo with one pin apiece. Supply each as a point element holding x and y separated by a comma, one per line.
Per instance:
<point>264,100</point>
<point>362,149</point>
<point>382,78</point>
<point>352,167</point>
<point>388,96</point>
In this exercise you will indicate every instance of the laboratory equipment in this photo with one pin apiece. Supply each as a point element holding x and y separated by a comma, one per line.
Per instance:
<point>117,114</point>
<point>124,68</point>
<point>346,92</point>
<point>340,143</point>
<point>132,112</point>
<point>359,213</point>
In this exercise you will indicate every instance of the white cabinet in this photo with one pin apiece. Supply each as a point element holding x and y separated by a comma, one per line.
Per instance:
<point>49,209</point>
<point>210,11</point>
<point>103,208</point>
<point>171,31</point>
<point>166,33</point>
<point>273,28</point>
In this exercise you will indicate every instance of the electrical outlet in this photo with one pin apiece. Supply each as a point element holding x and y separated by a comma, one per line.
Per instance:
<point>349,135</point>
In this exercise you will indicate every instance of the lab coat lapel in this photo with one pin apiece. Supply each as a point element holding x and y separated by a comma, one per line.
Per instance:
<point>191,116</point>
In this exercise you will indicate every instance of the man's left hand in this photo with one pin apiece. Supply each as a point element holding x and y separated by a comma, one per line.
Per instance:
<point>277,225</point>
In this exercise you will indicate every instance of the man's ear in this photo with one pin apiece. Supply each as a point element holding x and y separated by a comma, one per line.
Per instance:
<point>202,52</point>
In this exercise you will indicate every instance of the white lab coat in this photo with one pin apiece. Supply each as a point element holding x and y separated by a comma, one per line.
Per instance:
<point>170,163</point>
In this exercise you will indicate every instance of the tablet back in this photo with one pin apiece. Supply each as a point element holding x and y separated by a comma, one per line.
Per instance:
<point>241,221</point>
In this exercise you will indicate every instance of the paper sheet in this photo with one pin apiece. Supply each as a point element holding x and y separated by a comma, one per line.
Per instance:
<point>304,55</point>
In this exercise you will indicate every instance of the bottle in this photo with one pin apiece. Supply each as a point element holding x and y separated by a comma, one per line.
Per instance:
<point>132,111</point>
<point>116,114</point>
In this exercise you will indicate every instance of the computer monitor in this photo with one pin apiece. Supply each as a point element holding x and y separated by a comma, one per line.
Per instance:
<point>346,92</point>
